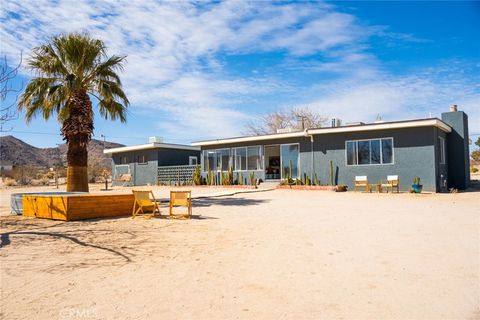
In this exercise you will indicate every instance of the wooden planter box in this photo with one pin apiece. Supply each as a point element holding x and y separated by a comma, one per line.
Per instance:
<point>300,187</point>
<point>77,207</point>
<point>221,187</point>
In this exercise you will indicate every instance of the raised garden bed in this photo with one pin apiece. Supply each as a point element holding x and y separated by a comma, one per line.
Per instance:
<point>220,187</point>
<point>300,187</point>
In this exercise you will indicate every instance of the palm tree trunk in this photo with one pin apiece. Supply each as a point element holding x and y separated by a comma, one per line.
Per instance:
<point>77,159</point>
<point>77,131</point>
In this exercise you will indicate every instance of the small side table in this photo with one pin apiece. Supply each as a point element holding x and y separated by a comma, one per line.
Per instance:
<point>377,186</point>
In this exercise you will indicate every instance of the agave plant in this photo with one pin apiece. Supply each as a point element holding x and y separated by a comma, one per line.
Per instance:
<point>70,69</point>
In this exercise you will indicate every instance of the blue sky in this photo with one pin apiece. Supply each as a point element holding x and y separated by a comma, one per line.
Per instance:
<point>200,71</point>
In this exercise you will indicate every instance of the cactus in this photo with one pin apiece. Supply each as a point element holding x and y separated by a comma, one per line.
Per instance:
<point>308,181</point>
<point>331,172</point>
<point>230,175</point>
<point>253,181</point>
<point>239,178</point>
<point>316,181</point>
<point>416,180</point>
<point>210,177</point>
<point>290,168</point>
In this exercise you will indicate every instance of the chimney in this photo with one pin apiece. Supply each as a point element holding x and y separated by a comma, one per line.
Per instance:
<point>458,153</point>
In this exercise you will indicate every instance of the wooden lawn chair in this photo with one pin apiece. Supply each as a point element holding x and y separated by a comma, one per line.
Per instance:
<point>360,182</point>
<point>180,199</point>
<point>144,205</point>
<point>392,183</point>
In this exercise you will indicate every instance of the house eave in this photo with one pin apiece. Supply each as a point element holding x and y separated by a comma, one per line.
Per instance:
<point>153,145</point>
<point>434,122</point>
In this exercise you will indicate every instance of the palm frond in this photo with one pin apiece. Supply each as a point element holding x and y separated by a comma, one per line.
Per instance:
<point>69,65</point>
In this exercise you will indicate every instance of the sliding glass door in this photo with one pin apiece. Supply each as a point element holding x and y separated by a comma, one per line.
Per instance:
<point>289,154</point>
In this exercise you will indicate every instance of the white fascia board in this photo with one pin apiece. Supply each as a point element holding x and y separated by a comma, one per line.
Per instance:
<point>385,126</point>
<point>153,145</point>
<point>250,138</point>
<point>366,127</point>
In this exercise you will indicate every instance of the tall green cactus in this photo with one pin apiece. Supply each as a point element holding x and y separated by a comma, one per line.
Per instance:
<point>210,177</point>
<point>197,176</point>
<point>253,181</point>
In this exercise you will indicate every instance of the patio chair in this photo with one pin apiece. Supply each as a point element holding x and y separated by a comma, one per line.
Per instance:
<point>392,183</point>
<point>144,205</point>
<point>360,182</point>
<point>180,199</point>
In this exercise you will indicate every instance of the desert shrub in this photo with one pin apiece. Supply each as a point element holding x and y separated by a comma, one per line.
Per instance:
<point>9,182</point>
<point>35,182</point>
<point>474,170</point>
<point>45,181</point>
<point>23,174</point>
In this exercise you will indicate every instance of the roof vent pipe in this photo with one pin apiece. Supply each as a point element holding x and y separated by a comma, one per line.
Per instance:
<point>453,108</point>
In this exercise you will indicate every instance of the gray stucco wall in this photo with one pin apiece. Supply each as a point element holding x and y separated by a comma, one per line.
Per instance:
<point>147,173</point>
<point>142,173</point>
<point>414,155</point>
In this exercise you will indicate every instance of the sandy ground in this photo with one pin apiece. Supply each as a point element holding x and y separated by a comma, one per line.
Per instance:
<point>272,255</point>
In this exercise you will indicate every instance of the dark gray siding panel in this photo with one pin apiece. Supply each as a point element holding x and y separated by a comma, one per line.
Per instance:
<point>175,157</point>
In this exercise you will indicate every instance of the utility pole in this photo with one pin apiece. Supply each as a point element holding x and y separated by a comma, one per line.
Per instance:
<point>103,136</point>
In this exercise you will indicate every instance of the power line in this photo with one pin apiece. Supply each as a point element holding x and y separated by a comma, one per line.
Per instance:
<point>108,136</point>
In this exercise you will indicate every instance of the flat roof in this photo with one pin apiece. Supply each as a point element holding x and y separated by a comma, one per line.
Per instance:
<point>152,145</point>
<point>430,122</point>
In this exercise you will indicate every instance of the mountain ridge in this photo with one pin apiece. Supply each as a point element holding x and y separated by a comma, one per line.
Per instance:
<point>16,152</point>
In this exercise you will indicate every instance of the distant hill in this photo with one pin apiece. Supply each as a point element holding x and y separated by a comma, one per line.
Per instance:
<point>16,152</point>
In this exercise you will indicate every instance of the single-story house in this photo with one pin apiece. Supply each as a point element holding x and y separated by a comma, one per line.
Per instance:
<point>142,162</point>
<point>436,150</point>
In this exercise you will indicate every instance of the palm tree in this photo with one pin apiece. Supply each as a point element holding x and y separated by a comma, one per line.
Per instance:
<point>70,68</point>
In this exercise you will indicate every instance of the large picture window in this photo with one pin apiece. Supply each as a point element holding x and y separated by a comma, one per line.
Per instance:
<point>242,158</point>
<point>369,152</point>
<point>254,158</point>
<point>223,159</point>
<point>240,155</point>
<point>209,160</point>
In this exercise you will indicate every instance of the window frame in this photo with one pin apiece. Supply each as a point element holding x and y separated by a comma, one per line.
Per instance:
<point>298,160</point>
<point>145,160</point>
<point>190,158</point>
<point>370,152</point>
<point>204,169</point>
<point>262,159</point>
<point>229,159</point>
<point>234,149</point>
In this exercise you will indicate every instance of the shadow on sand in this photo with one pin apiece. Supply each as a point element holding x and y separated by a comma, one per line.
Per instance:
<point>207,202</point>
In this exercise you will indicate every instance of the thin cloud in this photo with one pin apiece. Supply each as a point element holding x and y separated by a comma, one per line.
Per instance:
<point>178,59</point>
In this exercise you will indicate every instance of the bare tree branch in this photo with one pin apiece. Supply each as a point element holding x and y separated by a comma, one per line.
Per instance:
<point>8,110</point>
<point>295,118</point>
